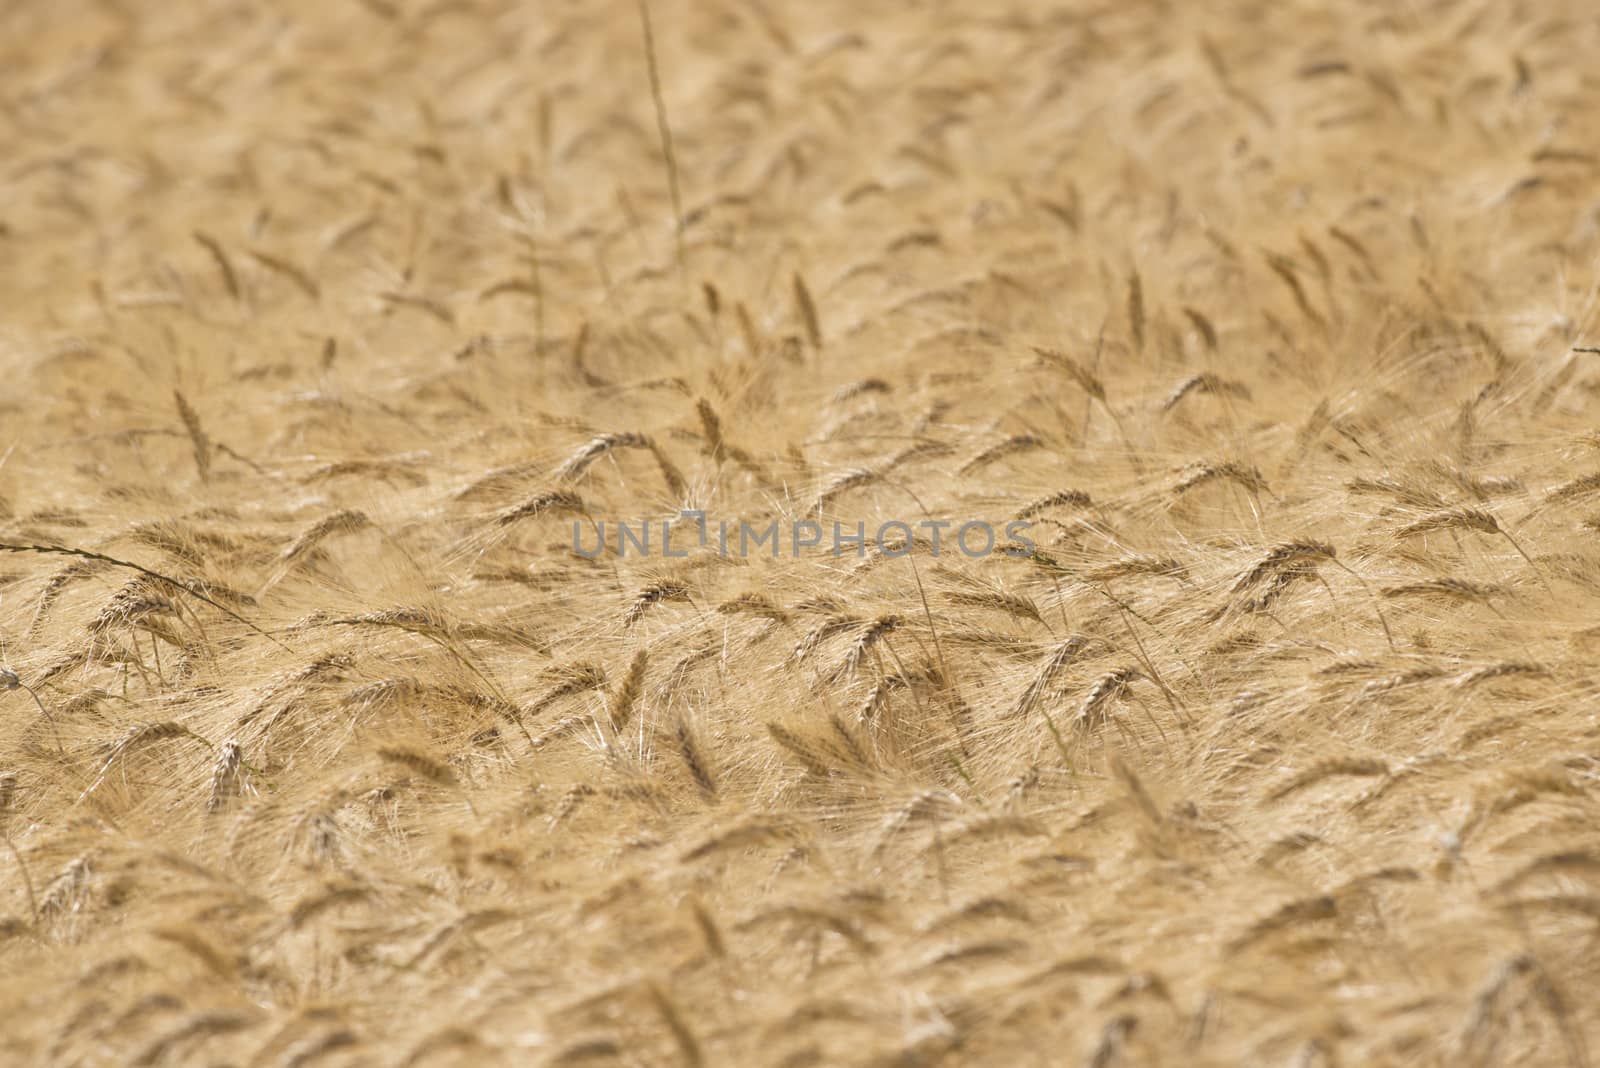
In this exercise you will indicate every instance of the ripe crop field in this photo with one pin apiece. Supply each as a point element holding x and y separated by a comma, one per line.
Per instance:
<point>342,341</point>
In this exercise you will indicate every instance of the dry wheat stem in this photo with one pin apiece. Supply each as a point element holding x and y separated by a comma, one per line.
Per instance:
<point>664,130</point>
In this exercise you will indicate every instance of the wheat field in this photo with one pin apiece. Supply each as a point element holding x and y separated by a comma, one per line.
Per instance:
<point>333,331</point>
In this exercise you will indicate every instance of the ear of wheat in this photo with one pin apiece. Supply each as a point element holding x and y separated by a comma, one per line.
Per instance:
<point>1207,383</point>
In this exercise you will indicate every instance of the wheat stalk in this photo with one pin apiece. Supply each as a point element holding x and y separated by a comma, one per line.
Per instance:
<point>664,130</point>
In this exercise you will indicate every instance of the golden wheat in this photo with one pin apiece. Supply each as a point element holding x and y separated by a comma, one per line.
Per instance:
<point>336,334</point>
